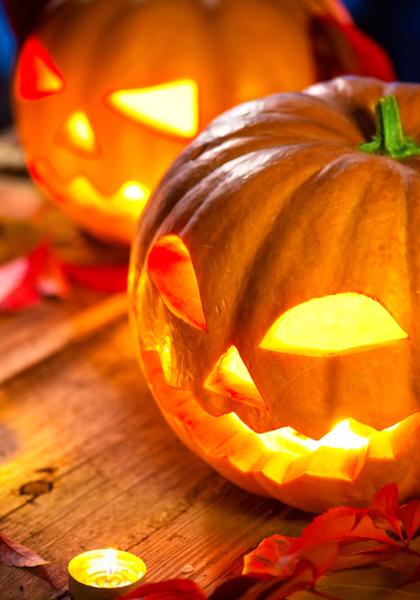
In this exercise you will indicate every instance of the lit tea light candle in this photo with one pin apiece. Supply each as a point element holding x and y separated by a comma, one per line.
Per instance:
<point>104,574</point>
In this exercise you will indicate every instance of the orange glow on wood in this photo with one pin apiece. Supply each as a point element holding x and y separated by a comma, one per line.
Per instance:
<point>171,270</point>
<point>231,377</point>
<point>37,75</point>
<point>170,107</point>
<point>333,324</point>
<point>78,134</point>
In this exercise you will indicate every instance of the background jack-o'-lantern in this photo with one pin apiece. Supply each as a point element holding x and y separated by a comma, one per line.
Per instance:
<point>109,93</point>
<point>275,293</point>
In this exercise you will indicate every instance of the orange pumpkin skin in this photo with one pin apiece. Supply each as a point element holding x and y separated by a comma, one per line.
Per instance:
<point>232,51</point>
<point>276,206</point>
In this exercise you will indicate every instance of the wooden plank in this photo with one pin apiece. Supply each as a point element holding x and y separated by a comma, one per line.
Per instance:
<point>38,334</point>
<point>119,476</point>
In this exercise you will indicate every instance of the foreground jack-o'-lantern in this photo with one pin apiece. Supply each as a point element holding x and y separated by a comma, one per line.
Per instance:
<point>108,93</point>
<point>275,293</point>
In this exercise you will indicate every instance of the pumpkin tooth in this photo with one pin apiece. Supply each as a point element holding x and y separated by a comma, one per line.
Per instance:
<point>323,464</point>
<point>402,436</point>
<point>380,446</point>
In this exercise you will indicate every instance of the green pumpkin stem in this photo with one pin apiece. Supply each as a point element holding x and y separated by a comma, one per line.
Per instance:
<point>389,138</point>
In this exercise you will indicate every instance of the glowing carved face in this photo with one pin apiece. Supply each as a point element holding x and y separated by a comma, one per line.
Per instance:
<point>337,325</point>
<point>103,147</point>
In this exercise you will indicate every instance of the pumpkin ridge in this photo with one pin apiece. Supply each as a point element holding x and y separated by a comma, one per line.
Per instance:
<point>227,166</point>
<point>280,111</point>
<point>259,259</point>
<point>412,260</point>
<point>312,177</point>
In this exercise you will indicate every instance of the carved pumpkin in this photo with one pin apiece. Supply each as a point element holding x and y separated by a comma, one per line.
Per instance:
<point>275,294</point>
<point>109,93</point>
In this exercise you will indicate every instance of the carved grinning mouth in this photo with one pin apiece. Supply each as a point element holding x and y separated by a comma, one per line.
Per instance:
<point>275,461</point>
<point>354,439</point>
<point>127,201</point>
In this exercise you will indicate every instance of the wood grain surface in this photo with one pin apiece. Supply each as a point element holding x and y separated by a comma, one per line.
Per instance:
<point>87,461</point>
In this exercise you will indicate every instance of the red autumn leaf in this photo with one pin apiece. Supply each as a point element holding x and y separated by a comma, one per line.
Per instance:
<point>342,525</point>
<point>41,274</point>
<point>385,508</point>
<point>31,269</point>
<point>409,515</point>
<point>173,589</point>
<point>340,539</point>
<point>23,281</point>
<point>299,570</point>
<point>14,290</point>
<point>321,558</point>
<point>269,558</point>
<point>13,554</point>
<point>101,278</point>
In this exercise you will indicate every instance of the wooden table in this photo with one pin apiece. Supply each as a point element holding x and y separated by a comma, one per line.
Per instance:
<point>87,461</point>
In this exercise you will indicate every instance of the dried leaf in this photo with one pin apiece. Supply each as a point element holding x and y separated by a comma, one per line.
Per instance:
<point>173,589</point>
<point>13,554</point>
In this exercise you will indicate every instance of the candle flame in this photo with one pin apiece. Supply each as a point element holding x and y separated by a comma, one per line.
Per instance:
<point>110,562</point>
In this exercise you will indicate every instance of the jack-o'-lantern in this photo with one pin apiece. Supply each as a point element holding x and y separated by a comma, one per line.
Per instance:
<point>275,293</point>
<point>109,93</point>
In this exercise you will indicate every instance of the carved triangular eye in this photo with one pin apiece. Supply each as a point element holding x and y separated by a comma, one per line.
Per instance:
<point>171,270</point>
<point>171,107</point>
<point>230,377</point>
<point>37,75</point>
<point>335,324</point>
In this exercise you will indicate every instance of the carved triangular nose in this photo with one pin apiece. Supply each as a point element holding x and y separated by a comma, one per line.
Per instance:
<point>77,135</point>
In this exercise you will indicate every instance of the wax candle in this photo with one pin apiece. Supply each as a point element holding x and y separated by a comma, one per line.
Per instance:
<point>104,574</point>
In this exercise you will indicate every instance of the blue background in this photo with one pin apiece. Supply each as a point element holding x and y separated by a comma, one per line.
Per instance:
<point>7,49</point>
<point>395,24</point>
